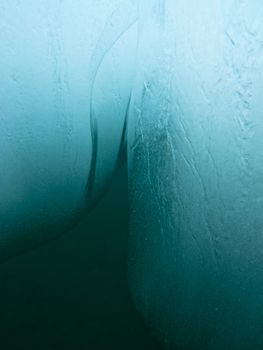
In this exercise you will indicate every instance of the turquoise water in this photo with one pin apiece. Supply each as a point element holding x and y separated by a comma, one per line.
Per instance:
<point>176,88</point>
<point>73,293</point>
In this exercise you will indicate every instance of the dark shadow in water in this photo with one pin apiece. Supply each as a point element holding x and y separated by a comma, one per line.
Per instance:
<point>72,293</point>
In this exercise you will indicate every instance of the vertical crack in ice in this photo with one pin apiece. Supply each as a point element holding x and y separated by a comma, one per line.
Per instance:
<point>122,152</point>
<point>118,24</point>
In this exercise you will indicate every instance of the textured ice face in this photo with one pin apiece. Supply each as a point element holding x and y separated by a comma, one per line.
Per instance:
<point>196,170</point>
<point>194,147</point>
<point>62,65</point>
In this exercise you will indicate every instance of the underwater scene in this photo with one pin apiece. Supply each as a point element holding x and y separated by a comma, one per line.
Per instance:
<point>131,174</point>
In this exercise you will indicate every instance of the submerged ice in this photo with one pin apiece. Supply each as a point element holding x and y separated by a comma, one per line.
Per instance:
<point>180,82</point>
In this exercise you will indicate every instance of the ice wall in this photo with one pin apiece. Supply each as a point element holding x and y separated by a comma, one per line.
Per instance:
<point>192,105</point>
<point>195,174</point>
<point>64,67</point>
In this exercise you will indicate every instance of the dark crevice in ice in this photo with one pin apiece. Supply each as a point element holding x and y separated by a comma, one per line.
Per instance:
<point>109,38</point>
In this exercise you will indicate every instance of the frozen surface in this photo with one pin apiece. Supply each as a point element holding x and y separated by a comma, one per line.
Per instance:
<point>185,78</point>
<point>196,170</point>
<point>63,64</point>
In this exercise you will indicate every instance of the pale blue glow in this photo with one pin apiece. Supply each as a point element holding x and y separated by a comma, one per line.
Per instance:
<point>186,79</point>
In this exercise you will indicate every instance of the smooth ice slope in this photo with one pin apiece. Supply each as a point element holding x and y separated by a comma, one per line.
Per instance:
<point>63,66</point>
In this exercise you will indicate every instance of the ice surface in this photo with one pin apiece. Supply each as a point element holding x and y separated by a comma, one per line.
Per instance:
<point>53,54</point>
<point>185,78</point>
<point>196,170</point>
